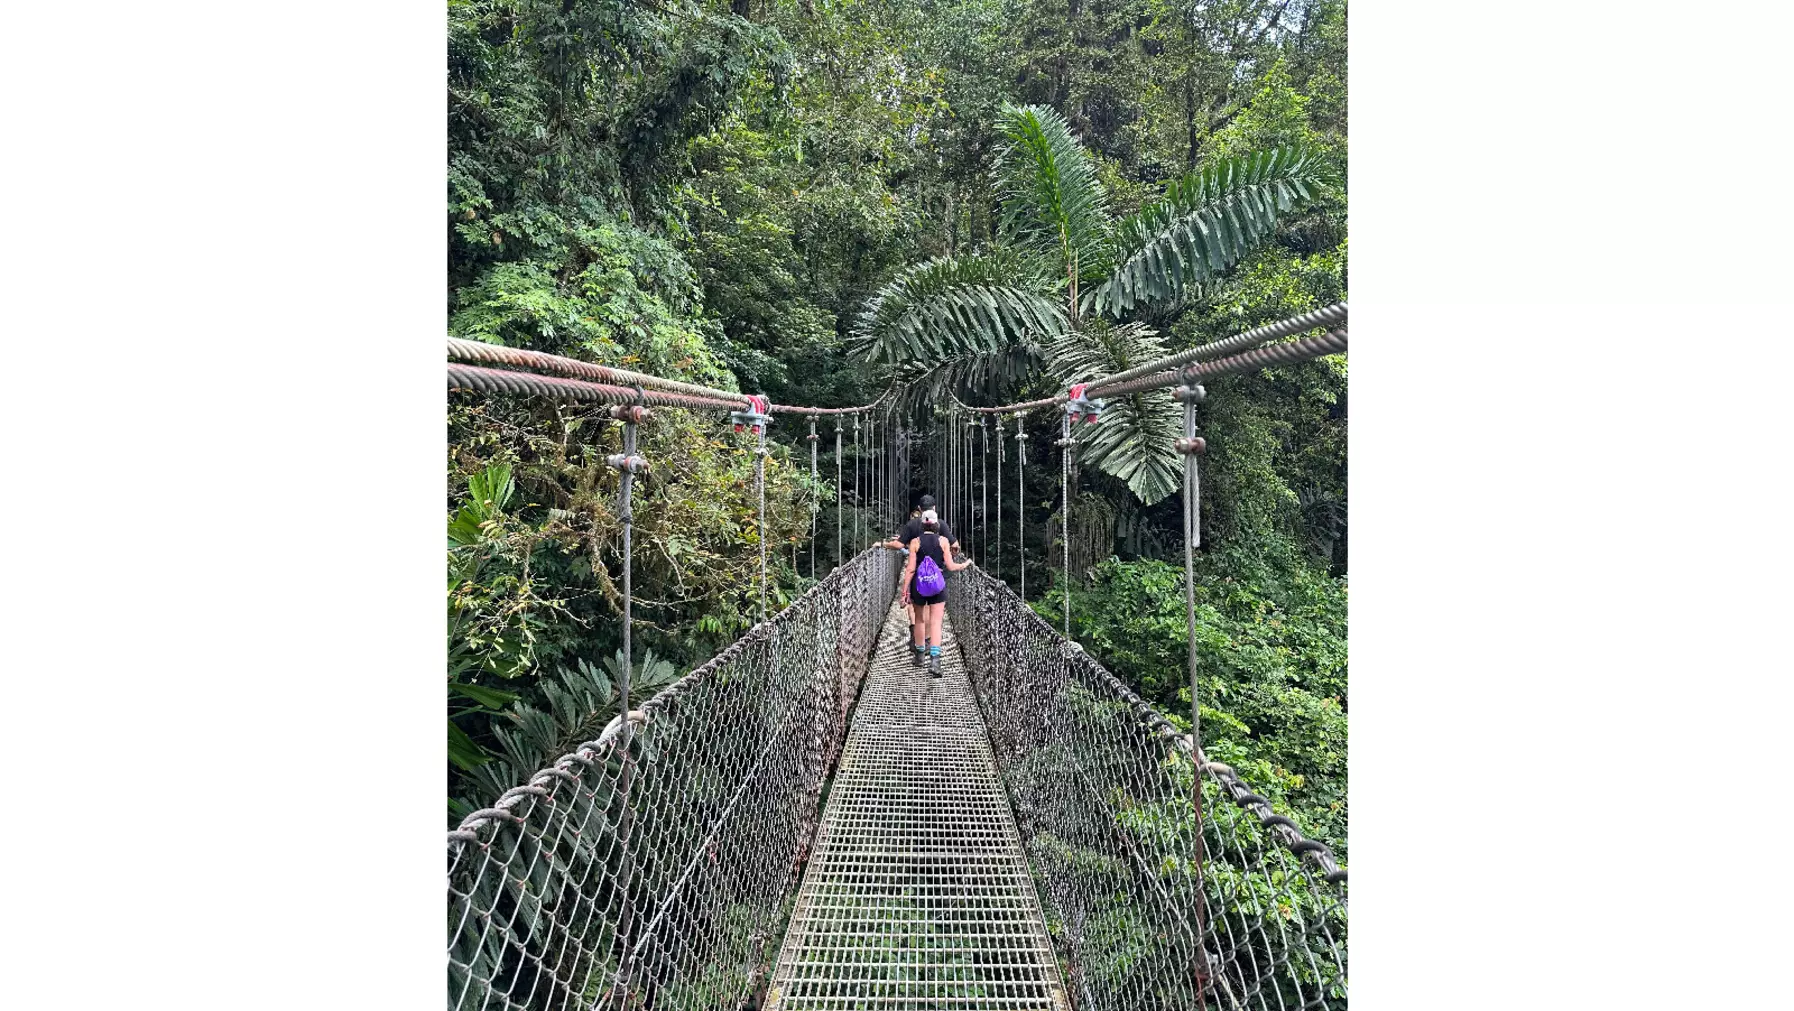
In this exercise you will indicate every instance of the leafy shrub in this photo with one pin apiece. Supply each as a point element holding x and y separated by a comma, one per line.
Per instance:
<point>1271,654</point>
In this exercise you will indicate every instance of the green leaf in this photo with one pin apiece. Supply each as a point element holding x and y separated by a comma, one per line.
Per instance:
<point>1206,222</point>
<point>1053,203</point>
<point>945,308</point>
<point>463,752</point>
<point>488,493</point>
<point>491,698</point>
<point>1135,438</point>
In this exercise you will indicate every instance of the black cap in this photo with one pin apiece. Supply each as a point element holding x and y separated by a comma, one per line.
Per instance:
<point>927,502</point>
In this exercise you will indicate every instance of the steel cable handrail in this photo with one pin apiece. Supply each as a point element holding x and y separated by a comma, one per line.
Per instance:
<point>484,380</point>
<point>1331,343</point>
<point>1328,316</point>
<point>523,362</point>
<point>460,349</point>
<point>1165,372</point>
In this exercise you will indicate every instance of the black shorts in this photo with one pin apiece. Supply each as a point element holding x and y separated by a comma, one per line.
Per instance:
<point>915,596</point>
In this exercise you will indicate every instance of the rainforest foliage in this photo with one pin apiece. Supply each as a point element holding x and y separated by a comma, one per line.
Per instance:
<point>812,199</point>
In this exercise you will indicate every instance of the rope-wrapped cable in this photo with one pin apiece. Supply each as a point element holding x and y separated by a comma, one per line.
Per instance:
<point>793,409</point>
<point>1331,343</point>
<point>1330,316</point>
<point>492,354</point>
<point>462,350</point>
<point>1031,405</point>
<point>1164,371</point>
<point>472,377</point>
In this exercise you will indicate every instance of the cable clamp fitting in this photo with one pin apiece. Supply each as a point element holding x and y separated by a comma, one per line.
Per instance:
<point>632,412</point>
<point>631,464</point>
<point>1190,394</point>
<point>1078,405</point>
<point>756,417</point>
<point>1192,447</point>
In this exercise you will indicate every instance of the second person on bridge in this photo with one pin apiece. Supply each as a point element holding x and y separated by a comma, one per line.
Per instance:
<point>925,586</point>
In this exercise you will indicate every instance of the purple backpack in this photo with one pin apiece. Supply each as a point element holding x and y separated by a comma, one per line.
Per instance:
<point>930,580</point>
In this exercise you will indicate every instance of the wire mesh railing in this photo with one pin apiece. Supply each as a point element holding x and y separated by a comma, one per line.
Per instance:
<point>1101,785</point>
<point>654,866</point>
<point>918,894</point>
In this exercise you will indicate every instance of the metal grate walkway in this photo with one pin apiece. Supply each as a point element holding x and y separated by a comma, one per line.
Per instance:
<point>917,894</point>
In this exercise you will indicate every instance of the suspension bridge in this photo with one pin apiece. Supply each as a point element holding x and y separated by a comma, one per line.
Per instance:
<point>809,821</point>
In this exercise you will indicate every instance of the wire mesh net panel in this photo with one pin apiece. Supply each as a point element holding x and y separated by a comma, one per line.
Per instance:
<point>918,895</point>
<point>1101,788</point>
<point>654,866</point>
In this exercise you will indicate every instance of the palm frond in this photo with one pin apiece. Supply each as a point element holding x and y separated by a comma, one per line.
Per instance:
<point>986,375</point>
<point>1136,442</point>
<point>948,306</point>
<point>1135,439</point>
<point>1053,203</point>
<point>579,702</point>
<point>1100,348</point>
<point>1205,223</point>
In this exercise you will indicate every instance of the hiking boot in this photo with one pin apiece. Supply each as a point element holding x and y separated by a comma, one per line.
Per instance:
<point>934,665</point>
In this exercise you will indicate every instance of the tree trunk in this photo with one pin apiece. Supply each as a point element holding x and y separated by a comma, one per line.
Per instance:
<point>952,225</point>
<point>1190,122</point>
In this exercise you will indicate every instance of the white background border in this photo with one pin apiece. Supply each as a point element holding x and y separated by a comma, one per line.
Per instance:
<point>224,278</point>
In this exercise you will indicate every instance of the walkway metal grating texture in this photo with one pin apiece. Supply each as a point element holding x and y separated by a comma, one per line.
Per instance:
<point>917,893</point>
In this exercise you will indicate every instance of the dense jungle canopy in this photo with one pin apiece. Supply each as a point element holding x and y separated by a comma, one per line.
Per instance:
<point>800,198</point>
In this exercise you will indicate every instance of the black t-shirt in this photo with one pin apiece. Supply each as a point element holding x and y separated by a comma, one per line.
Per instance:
<point>913,530</point>
<point>929,546</point>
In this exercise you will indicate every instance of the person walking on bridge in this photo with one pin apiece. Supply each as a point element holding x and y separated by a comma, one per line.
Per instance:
<point>925,586</point>
<point>913,526</point>
<point>905,534</point>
